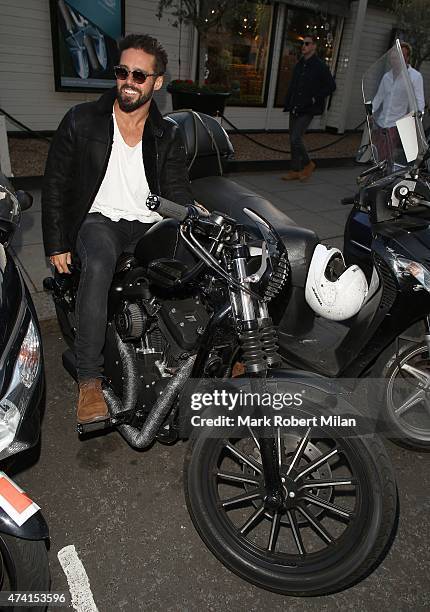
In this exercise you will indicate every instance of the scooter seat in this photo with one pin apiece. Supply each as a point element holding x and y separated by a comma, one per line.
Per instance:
<point>226,196</point>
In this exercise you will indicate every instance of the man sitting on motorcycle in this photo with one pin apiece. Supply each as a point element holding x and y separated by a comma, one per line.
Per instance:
<point>104,160</point>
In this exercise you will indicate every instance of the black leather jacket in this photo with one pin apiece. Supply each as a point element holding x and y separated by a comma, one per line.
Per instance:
<point>310,85</point>
<point>78,159</point>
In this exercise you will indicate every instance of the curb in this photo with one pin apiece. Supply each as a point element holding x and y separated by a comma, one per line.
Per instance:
<point>263,165</point>
<point>275,165</point>
<point>26,182</point>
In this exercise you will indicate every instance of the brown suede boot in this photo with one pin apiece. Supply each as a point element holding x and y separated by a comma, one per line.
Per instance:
<point>291,175</point>
<point>307,171</point>
<point>91,404</point>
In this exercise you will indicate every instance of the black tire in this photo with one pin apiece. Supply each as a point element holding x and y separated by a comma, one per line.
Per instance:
<point>25,566</point>
<point>349,558</point>
<point>410,429</point>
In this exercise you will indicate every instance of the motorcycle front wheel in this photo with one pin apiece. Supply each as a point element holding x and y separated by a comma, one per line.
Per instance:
<point>337,522</point>
<point>25,566</point>
<point>405,412</point>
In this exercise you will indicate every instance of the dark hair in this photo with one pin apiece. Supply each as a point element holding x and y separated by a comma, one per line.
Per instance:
<point>313,36</point>
<point>146,43</point>
<point>405,45</point>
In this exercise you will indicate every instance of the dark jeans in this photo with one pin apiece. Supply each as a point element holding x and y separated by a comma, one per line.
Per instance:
<point>298,126</point>
<point>99,244</point>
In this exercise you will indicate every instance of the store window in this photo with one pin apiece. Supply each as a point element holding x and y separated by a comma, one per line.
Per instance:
<point>237,54</point>
<point>299,22</point>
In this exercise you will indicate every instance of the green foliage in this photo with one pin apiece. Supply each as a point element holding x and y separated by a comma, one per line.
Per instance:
<point>189,86</point>
<point>203,14</point>
<point>413,19</point>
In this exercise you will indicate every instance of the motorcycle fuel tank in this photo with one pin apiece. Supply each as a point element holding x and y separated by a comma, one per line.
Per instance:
<point>164,254</point>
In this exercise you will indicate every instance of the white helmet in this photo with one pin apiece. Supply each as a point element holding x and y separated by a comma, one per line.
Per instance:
<point>332,290</point>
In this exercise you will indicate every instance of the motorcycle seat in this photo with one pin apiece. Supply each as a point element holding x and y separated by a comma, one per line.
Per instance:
<point>226,196</point>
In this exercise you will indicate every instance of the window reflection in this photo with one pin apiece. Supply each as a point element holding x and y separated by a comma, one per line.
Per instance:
<point>237,54</point>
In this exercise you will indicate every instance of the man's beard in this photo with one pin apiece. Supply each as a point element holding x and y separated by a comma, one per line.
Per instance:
<point>127,104</point>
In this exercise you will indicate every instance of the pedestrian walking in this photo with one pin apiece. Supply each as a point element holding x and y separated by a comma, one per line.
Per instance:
<point>310,85</point>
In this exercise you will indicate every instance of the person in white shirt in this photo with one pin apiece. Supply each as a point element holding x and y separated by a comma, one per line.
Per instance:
<point>414,75</point>
<point>393,101</point>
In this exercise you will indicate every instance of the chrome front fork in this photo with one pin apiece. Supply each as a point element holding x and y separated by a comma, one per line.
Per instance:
<point>427,334</point>
<point>258,340</point>
<point>257,334</point>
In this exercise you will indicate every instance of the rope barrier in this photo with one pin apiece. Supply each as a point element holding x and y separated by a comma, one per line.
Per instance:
<point>24,127</point>
<point>326,146</point>
<point>235,128</point>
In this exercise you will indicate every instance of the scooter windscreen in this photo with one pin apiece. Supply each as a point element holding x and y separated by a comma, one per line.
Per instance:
<point>395,127</point>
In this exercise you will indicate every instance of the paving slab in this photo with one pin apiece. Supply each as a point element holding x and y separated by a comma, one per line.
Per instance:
<point>338,215</point>
<point>32,259</point>
<point>29,230</point>
<point>324,228</point>
<point>37,204</point>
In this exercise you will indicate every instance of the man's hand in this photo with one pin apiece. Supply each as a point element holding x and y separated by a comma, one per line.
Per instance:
<point>61,262</point>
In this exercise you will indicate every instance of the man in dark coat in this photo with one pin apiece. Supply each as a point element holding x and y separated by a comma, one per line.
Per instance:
<point>310,85</point>
<point>105,159</point>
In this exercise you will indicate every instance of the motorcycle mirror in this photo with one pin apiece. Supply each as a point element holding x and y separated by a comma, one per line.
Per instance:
<point>361,178</point>
<point>363,154</point>
<point>366,153</point>
<point>25,199</point>
<point>408,135</point>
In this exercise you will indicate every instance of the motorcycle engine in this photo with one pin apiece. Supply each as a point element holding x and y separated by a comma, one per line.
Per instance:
<point>163,334</point>
<point>131,321</point>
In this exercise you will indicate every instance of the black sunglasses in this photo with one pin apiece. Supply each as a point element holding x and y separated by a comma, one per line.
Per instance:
<point>139,77</point>
<point>307,43</point>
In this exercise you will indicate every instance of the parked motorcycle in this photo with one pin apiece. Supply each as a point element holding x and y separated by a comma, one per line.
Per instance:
<point>388,225</point>
<point>377,326</point>
<point>296,511</point>
<point>23,530</point>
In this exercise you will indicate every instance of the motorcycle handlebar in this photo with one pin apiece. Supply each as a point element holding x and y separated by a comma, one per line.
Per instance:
<point>167,208</point>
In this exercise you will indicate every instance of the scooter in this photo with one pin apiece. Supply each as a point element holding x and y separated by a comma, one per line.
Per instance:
<point>24,533</point>
<point>387,237</point>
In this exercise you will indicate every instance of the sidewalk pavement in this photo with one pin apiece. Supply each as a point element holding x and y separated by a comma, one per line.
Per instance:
<point>314,204</point>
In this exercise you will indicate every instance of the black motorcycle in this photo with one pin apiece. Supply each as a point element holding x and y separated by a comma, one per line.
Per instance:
<point>23,530</point>
<point>303,511</point>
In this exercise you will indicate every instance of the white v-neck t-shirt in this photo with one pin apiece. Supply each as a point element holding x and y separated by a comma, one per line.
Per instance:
<point>124,189</point>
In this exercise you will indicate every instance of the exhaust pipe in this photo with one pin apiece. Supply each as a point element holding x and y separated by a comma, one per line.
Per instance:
<point>144,437</point>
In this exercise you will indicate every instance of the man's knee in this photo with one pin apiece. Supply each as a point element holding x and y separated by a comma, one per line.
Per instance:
<point>100,268</point>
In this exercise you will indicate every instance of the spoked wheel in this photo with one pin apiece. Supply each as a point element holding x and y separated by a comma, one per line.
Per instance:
<point>407,400</point>
<point>336,523</point>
